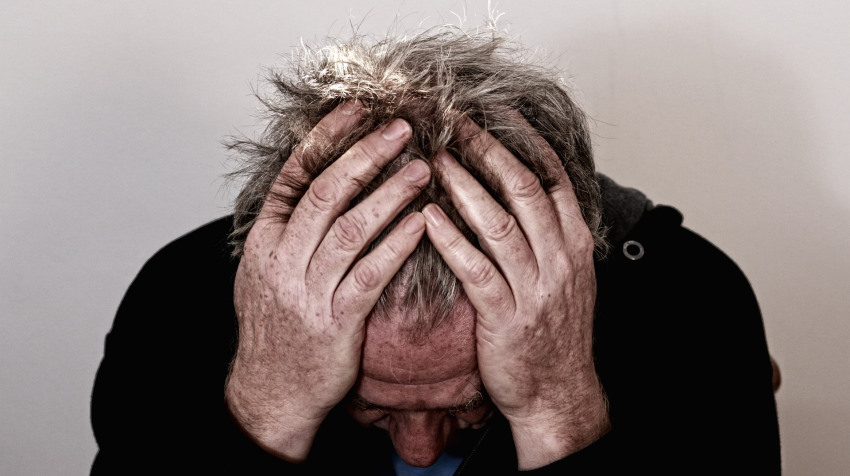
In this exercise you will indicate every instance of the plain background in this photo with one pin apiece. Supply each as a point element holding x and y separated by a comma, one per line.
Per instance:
<point>113,112</point>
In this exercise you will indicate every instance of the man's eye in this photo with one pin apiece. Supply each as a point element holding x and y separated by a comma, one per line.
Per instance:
<point>368,416</point>
<point>370,413</point>
<point>363,406</point>
<point>474,415</point>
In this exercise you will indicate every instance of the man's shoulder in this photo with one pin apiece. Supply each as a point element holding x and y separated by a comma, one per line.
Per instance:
<point>210,238</point>
<point>659,277</point>
<point>647,236</point>
<point>679,332</point>
<point>201,250</point>
<point>196,269</point>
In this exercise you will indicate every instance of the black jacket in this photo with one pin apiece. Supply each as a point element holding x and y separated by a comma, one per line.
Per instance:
<point>679,345</point>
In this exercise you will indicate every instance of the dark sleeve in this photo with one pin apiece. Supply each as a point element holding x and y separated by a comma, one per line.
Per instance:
<point>681,352</point>
<point>158,400</point>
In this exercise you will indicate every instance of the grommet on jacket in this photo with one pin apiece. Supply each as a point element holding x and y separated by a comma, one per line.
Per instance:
<point>633,250</point>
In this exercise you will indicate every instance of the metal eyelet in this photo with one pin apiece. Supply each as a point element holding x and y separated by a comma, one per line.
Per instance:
<point>633,250</point>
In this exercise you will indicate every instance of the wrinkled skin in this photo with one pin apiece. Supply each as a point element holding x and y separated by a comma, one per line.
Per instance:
<point>421,392</point>
<point>301,312</point>
<point>303,295</point>
<point>533,289</point>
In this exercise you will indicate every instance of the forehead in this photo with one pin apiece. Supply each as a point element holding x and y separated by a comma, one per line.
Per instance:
<point>434,371</point>
<point>448,350</point>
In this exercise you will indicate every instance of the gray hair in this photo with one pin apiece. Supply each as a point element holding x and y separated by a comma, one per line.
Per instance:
<point>431,80</point>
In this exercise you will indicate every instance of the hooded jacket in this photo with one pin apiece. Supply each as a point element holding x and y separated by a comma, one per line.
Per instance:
<point>679,346</point>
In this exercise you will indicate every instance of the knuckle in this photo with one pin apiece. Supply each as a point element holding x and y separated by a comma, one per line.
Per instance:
<point>583,242</point>
<point>349,231</point>
<point>323,193</point>
<point>455,242</point>
<point>391,249</point>
<point>366,276</point>
<point>524,184</point>
<point>501,226</point>
<point>480,272</point>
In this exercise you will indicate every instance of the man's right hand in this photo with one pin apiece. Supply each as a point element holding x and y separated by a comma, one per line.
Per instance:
<point>302,295</point>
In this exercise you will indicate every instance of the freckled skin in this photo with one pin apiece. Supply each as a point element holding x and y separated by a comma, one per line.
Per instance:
<point>416,383</point>
<point>533,287</point>
<point>388,354</point>
<point>303,289</point>
<point>313,296</point>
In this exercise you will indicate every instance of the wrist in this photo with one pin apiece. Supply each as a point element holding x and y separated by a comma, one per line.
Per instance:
<point>548,436</point>
<point>282,431</point>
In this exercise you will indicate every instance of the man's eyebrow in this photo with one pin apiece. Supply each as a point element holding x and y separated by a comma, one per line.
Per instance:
<point>475,401</point>
<point>471,403</point>
<point>361,403</point>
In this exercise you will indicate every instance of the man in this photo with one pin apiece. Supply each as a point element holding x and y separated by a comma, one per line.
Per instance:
<point>413,284</point>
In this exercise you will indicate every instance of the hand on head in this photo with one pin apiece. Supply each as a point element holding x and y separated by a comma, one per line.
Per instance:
<point>304,290</point>
<point>533,287</point>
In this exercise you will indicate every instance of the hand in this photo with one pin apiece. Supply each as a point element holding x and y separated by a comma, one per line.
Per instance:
<point>302,295</point>
<point>533,288</point>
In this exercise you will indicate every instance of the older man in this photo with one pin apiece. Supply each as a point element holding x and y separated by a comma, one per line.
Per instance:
<point>413,263</point>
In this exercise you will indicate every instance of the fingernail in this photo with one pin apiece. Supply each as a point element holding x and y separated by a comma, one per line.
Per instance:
<point>414,224</point>
<point>434,214</point>
<point>416,171</point>
<point>395,130</point>
<point>349,107</point>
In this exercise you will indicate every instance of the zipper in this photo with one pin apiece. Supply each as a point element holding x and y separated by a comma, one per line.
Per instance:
<point>472,451</point>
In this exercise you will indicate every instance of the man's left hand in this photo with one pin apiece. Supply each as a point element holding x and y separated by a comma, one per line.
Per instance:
<point>533,287</point>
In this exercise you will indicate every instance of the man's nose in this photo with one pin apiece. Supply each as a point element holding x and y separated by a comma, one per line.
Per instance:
<point>420,437</point>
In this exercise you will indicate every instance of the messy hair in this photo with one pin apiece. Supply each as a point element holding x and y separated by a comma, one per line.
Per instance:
<point>432,80</point>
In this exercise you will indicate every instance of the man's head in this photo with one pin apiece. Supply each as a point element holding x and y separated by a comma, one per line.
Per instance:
<point>419,376</point>
<point>432,80</point>
<point>421,392</point>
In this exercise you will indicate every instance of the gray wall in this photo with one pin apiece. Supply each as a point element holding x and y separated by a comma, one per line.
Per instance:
<point>112,116</point>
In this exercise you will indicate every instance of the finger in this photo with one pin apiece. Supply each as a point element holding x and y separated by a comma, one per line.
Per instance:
<point>566,205</point>
<point>293,178</point>
<point>520,187</point>
<point>357,294</point>
<point>568,211</point>
<point>497,230</point>
<point>352,232</point>
<point>487,290</point>
<point>330,193</point>
<point>562,194</point>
